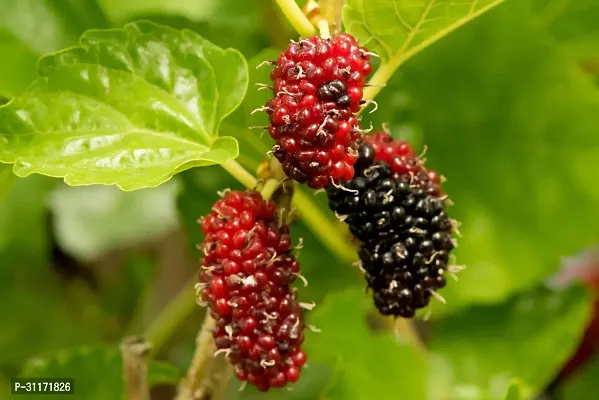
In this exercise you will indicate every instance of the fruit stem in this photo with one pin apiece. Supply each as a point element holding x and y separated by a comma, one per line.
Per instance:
<point>269,188</point>
<point>241,174</point>
<point>331,10</point>
<point>380,77</point>
<point>191,384</point>
<point>322,227</point>
<point>135,368</point>
<point>296,17</point>
<point>323,27</point>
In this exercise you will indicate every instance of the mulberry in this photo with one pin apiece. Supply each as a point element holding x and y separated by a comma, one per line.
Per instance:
<point>246,277</point>
<point>399,217</point>
<point>317,86</point>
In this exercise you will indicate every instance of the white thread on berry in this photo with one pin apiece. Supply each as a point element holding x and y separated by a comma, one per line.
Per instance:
<point>302,278</point>
<point>265,364</point>
<point>341,218</point>
<point>438,296</point>
<point>307,306</point>
<point>259,109</point>
<point>267,62</point>
<point>221,351</point>
<point>264,86</point>
<point>341,187</point>
<point>367,102</point>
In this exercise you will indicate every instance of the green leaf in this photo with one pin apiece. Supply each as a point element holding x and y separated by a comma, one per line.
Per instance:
<point>18,68</point>
<point>121,11</point>
<point>130,107</point>
<point>97,372</point>
<point>514,134</point>
<point>49,25</point>
<point>583,385</point>
<point>31,27</point>
<point>370,365</point>
<point>476,353</point>
<point>254,143</point>
<point>397,29</point>
<point>572,23</point>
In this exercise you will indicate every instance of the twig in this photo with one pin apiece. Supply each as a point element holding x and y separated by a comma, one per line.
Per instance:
<point>190,387</point>
<point>135,352</point>
<point>296,17</point>
<point>331,10</point>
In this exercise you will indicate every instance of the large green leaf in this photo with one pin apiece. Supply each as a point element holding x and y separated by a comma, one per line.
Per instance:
<point>370,365</point>
<point>31,27</point>
<point>476,354</point>
<point>398,29</point>
<point>97,372</point>
<point>511,121</point>
<point>129,107</point>
<point>121,11</point>
<point>18,68</point>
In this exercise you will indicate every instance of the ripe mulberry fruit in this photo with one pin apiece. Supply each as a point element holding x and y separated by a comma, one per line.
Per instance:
<point>247,272</point>
<point>317,86</point>
<point>399,217</point>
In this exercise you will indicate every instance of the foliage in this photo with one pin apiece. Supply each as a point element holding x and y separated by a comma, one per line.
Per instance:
<point>136,93</point>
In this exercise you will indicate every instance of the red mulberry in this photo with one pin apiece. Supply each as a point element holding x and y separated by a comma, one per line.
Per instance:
<point>400,219</point>
<point>246,275</point>
<point>317,86</point>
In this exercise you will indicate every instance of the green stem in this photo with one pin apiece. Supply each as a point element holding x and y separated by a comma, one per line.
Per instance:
<point>171,316</point>
<point>380,78</point>
<point>322,227</point>
<point>296,17</point>
<point>241,174</point>
<point>331,10</point>
<point>269,188</point>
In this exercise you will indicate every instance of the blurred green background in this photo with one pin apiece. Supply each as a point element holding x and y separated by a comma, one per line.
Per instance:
<point>508,107</point>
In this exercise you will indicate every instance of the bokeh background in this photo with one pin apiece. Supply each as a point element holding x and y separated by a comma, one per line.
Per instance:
<point>508,107</point>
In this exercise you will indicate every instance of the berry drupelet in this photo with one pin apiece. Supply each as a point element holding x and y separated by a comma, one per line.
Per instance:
<point>403,161</point>
<point>246,277</point>
<point>317,87</point>
<point>399,217</point>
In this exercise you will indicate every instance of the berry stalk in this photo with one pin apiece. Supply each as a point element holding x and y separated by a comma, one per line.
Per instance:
<point>296,17</point>
<point>205,348</point>
<point>135,367</point>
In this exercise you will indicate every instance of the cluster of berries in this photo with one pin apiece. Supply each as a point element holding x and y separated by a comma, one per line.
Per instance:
<point>394,207</point>
<point>317,87</point>
<point>247,272</point>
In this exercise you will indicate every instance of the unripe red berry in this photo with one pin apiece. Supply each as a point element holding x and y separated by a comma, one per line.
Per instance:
<point>246,275</point>
<point>317,85</point>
